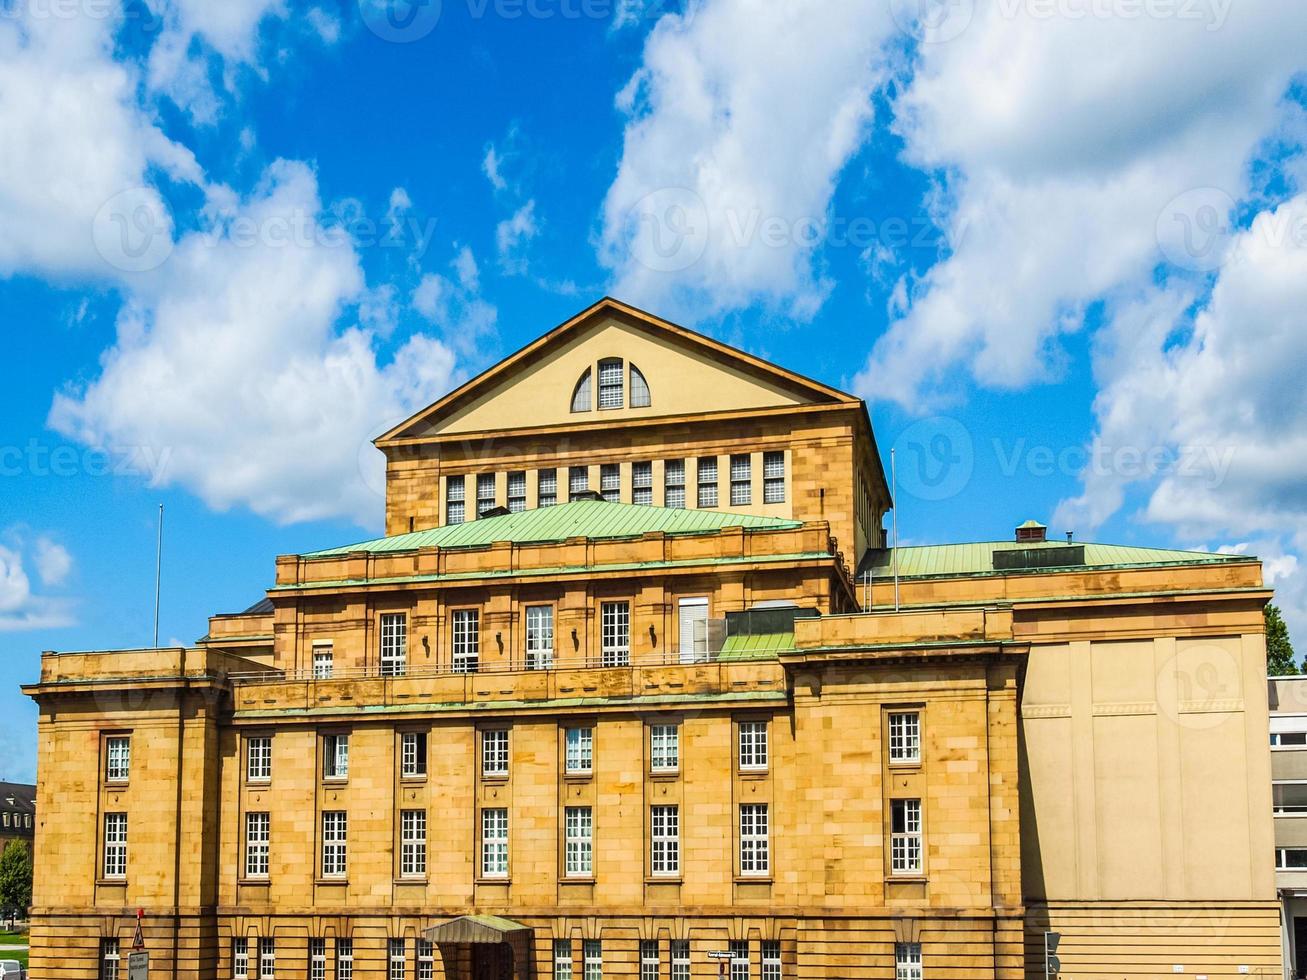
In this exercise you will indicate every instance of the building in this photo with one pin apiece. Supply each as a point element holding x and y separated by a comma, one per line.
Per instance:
<point>17,813</point>
<point>1288,703</point>
<point>624,692</point>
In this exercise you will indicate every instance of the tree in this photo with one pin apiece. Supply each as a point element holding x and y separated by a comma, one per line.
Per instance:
<point>15,877</point>
<point>1279,651</point>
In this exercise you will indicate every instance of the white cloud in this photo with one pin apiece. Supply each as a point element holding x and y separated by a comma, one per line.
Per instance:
<point>20,607</point>
<point>53,561</point>
<point>490,166</point>
<point>512,234</point>
<point>454,303</point>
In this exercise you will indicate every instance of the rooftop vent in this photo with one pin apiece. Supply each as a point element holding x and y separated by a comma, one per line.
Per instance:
<point>1054,556</point>
<point>1032,531</point>
<point>495,512</point>
<point>587,495</point>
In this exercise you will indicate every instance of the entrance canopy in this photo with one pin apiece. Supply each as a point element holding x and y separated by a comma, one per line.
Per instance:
<point>475,929</point>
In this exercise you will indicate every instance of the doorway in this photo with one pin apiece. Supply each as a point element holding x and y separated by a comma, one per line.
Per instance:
<point>1299,944</point>
<point>492,961</point>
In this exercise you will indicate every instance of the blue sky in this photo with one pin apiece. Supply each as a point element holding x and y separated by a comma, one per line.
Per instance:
<point>1059,246</point>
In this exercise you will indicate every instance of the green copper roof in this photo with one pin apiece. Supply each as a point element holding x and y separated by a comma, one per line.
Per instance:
<point>583,518</point>
<point>978,558</point>
<point>763,646</point>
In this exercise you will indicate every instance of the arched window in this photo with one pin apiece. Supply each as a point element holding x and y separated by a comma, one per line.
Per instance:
<point>610,383</point>
<point>581,394</point>
<point>639,389</point>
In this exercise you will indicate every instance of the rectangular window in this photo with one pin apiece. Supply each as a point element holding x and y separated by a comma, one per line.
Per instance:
<point>335,756</point>
<point>1290,859</point>
<point>562,959</point>
<point>579,837</point>
<point>413,754</point>
<point>394,644</point>
<point>773,478</point>
<point>118,753</point>
<point>426,960</point>
<point>485,493</point>
<point>494,843</point>
<point>610,386</point>
<point>257,835</point>
<point>664,748</point>
<point>674,483</point>
<point>593,959</point>
<point>610,482</point>
<point>546,488</point>
<point>240,958</point>
<point>539,637</point>
<point>267,958</point>
<point>907,961</point>
<point>344,959</point>
<point>494,753</point>
<point>1288,739</point>
<point>753,745</point>
<point>323,661</point>
<point>580,749</point>
<point>578,481</point>
<point>739,959</point>
<point>680,959</point>
<point>741,480</point>
<point>455,500</point>
<point>904,736</point>
<point>517,492</point>
<point>905,837</point>
<point>649,966</point>
<point>335,832</point>
<point>258,758</point>
<point>115,845</point>
<point>754,854</point>
<point>615,630</point>
<point>395,955</point>
<point>771,959</point>
<point>317,959</point>
<point>109,959</point>
<point>665,824</point>
<point>708,481</point>
<point>642,484</point>
<point>466,626</point>
<point>412,843</point>
<point>692,625</point>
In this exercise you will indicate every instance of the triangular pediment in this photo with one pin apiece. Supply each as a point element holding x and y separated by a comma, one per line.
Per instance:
<point>686,373</point>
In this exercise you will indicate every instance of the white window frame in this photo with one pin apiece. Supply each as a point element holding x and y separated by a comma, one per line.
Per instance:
<point>110,958</point>
<point>592,959</point>
<point>615,633</point>
<point>674,484</point>
<point>465,640</point>
<point>739,949</point>
<point>258,758</point>
<point>905,737</point>
<point>773,478</point>
<point>258,840</point>
<point>118,758</point>
<point>692,649</point>
<point>426,955</point>
<point>650,964</point>
<point>393,631</point>
<point>546,488</point>
<point>455,500</point>
<point>641,396</point>
<point>612,383</point>
<point>413,843</point>
<point>578,481</point>
<point>539,637</point>
<point>324,661</point>
<point>494,753</point>
<point>680,958</point>
<point>578,842</point>
<point>413,755</point>
<point>517,491</point>
<point>240,958</point>
<point>494,842</point>
<point>395,959</point>
<point>665,840</point>
<point>1282,859</point>
<point>755,840</point>
<point>610,482</point>
<point>578,750</point>
<point>771,959</point>
<point>335,843</point>
<point>741,480</point>
<point>335,756</point>
<point>562,959</point>
<point>905,837</point>
<point>267,958</point>
<point>907,961</point>
<point>485,493</point>
<point>753,747</point>
<point>344,959</point>
<point>642,484</point>
<point>665,748</point>
<point>706,479</point>
<point>317,958</point>
<point>115,845</point>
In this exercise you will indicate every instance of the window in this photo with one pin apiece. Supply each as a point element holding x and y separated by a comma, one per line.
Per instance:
<point>426,960</point>
<point>753,839</point>
<point>593,959</point>
<point>394,644</point>
<point>1288,739</point>
<point>517,492</point>
<point>494,753</point>
<point>610,482</point>
<point>674,483</point>
<point>322,660</point>
<point>665,857</point>
<point>539,637</point>
<point>680,959</point>
<point>578,481</point>
<point>639,389</point>
<point>258,758</point>
<point>412,843</point>
<point>118,752</point>
<point>413,754</point>
<point>1290,859</point>
<point>485,493</point>
<point>240,958</point>
<point>334,841</point>
<point>753,745</point>
<point>692,623</point>
<point>317,959</point>
<point>615,629</point>
<point>578,840</point>
<point>395,955</point>
<point>335,756</point>
<point>664,748</point>
<point>455,500</point>
<point>771,959</point>
<point>115,845</point>
<point>739,959</point>
<point>708,481</point>
<point>467,640</point>
<point>344,959</point>
<point>907,961</point>
<point>580,749</point>
<point>773,478</point>
<point>904,736</point>
<point>905,837</point>
<point>257,826</point>
<point>741,480</point>
<point>642,484</point>
<point>267,958</point>
<point>546,488</point>
<point>562,959</point>
<point>494,843</point>
<point>649,959</point>
<point>108,959</point>
<point>610,384</point>
<point>581,393</point>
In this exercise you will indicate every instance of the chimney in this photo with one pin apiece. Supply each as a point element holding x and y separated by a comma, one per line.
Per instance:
<point>1032,531</point>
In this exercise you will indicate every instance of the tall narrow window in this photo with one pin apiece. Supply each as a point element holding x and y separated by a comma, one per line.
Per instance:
<point>904,736</point>
<point>642,484</point>
<point>905,836</point>
<point>649,959</point>
<point>109,959</point>
<point>317,959</point>
<point>118,753</point>
<point>258,758</point>
<point>610,482</point>
<point>610,384</point>
<point>240,958</point>
<point>344,959</point>
<point>739,959</point>
<point>395,954</point>
<point>394,644</point>
<point>485,493</point>
<point>665,827</point>
<point>335,756</point>
<point>562,959</point>
<point>323,661</point>
<point>267,958</point>
<point>578,481</point>
<point>753,745</point>
<point>692,624</point>
<point>592,959</point>
<point>115,845</point>
<point>539,637</point>
<point>581,393</point>
<point>427,960</point>
<point>708,481</point>
<point>664,748</point>
<point>680,951</point>
<point>741,480</point>
<point>494,843</point>
<point>674,483</point>
<point>335,835</point>
<point>494,753</point>
<point>257,827</point>
<point>517,492</point>
<point>546,488</point>
<point>413,755</point>
<point>580,750</point>
<point>640,397</point>
<point>771,959</point>
<point>412,843</point>
<point>907,961</point>
<point>773,478</point>
<point>754,854</point>
<point>466,627</point>
<point>578,824</point>
<point>455,500</point>
<point>615,630</point>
